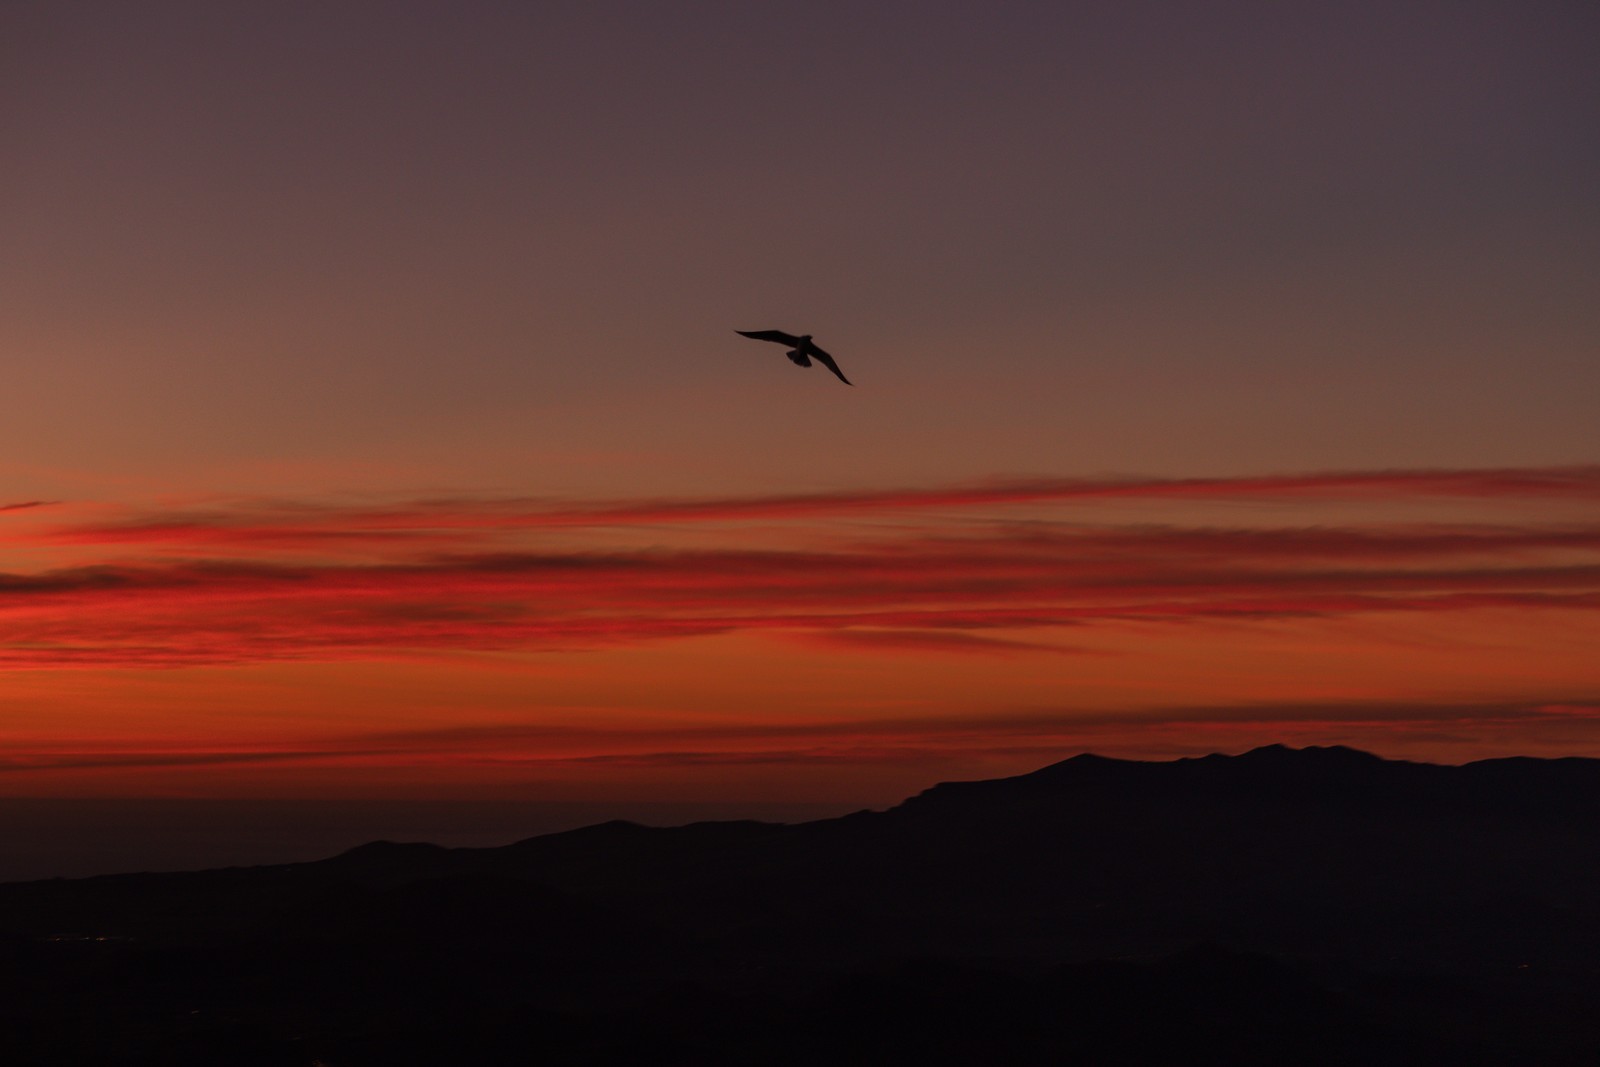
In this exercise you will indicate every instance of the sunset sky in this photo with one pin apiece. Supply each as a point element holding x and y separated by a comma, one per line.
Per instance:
<point>375,427</point>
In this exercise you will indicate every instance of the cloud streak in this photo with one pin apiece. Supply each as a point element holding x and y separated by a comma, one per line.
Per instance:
<point>1038,736</point>
<point>78,761</point>
<point>409,580</point>
<point>320,526</point>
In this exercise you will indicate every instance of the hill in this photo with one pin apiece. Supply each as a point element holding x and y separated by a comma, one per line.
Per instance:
<point>1319,905</point>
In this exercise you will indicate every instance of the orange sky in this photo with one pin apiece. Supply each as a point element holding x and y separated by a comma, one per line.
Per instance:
<point>375,423</point>
<point>788,647</point>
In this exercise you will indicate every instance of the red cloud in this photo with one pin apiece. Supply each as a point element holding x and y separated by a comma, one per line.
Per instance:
<point>454,575</point>
<point>314,527</point>
<point>1040,736</point>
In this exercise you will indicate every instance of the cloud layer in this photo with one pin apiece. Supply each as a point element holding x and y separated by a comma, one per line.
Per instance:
<point>1037,737</point>
<point>987,570</point>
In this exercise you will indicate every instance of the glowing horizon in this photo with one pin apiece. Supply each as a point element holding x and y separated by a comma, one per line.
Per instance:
<point>1004,623</point>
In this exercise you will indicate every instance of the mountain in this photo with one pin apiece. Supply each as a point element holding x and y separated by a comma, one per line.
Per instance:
<point>1318,905</point>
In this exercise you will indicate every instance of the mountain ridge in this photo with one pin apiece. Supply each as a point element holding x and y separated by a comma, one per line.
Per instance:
<point>1447,909</point>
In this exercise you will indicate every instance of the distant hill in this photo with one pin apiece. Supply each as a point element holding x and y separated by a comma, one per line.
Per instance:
<point>1319,905</point>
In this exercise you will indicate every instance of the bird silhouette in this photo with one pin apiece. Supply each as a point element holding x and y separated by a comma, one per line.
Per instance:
<point>801,349</point>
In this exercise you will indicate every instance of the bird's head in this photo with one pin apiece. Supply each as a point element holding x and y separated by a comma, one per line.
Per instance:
<point>805,338</point>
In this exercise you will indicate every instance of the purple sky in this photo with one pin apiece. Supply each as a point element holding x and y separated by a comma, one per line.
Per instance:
<point>351,246</point>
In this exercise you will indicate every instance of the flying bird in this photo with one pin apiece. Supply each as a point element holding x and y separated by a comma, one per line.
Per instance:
<point>801,350</point>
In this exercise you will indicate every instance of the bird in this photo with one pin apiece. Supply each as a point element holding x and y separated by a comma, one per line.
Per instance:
<point>801,349</point>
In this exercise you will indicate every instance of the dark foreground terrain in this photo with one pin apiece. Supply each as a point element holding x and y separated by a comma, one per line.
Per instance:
<point>1319,906</point>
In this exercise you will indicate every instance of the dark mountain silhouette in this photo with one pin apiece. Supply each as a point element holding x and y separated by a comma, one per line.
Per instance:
<point>1313,906</point>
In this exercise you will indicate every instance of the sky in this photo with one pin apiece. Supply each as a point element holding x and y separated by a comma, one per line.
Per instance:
<point>375,427</point>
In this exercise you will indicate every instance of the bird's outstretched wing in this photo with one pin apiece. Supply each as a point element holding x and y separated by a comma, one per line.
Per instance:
<point>770,335</point>
<point>827,361</point>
